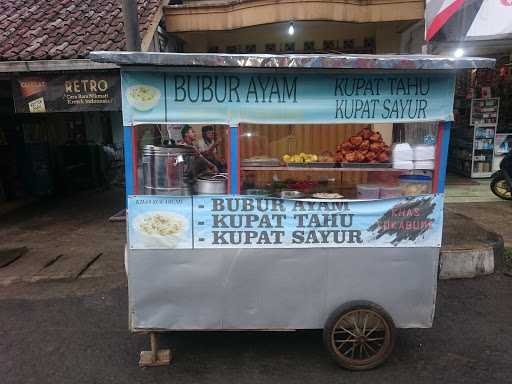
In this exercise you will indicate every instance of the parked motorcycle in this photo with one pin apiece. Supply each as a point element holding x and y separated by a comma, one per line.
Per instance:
<point>501,182</point>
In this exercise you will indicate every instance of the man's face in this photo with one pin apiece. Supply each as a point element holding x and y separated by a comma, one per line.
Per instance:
<point>190,136</point>
<point>210,135</point>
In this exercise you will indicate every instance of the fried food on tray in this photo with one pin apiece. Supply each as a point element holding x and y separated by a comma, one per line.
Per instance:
<point>356,140</point>
<point>365,146</point>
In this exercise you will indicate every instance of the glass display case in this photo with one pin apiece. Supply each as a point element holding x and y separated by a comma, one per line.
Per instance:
<point>180,159</point>
<point>351,161</point>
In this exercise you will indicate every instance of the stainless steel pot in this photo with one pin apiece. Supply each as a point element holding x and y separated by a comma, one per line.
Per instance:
<point>168,170</point>
<point>212,184</point>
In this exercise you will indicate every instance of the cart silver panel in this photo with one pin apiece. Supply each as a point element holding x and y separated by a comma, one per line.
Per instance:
<point>277,288</point>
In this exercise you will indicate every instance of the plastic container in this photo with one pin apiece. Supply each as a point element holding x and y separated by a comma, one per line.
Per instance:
<point>409,164</point>
<point>424,152</point>
<point>389,192</point>
<point>424,164</point>
<point>368,191</point>
<point>402,152</point>
<point>412,185</point>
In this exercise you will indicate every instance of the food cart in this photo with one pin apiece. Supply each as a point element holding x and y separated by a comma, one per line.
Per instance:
<point>329,214</point>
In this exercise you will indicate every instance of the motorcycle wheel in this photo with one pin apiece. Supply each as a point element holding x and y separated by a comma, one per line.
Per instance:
<point>500,188</point>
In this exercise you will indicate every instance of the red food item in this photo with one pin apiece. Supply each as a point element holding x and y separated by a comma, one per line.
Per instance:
<point>356,140</point>
<point>383,157</point>
<point>376,147</point>
<point>365,144</point>
<point>340,158</point>
<point>370,156</point>
<point>376,137</point>
<point>302,185</point>
<point>347,146</point>
<point>350,157</point>
<point>365,133</point>
<point>360,158</point>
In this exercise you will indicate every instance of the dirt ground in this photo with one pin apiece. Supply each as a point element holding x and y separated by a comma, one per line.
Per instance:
<point>493,216</point>
<point>65,237</point>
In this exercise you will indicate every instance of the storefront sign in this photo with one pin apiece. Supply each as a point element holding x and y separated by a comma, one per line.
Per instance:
<point>231,98</point>
<point>166,222</point>
<point>76,92</point>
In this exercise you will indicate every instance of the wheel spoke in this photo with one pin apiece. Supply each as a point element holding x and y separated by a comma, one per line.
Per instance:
<point>345,330</point>
<point>365,349</point>
<point>359,337</point>
<point>370,347</point>
<point>348,350</point>
<point>364,324</point>
<point>343,343</point>
<point>373,329</point>
<point>354,321</point>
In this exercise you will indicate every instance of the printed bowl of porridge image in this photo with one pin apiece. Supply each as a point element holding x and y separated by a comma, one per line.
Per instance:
<point>143,97</point>
<point>159,229</point>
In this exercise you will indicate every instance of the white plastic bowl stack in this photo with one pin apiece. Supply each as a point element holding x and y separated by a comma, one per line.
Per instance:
<point>423,156</point>
<point>402,155</point>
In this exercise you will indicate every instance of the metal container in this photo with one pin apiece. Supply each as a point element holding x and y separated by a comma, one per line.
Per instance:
<point>212,184</point>
<point>291,194</point>
<point>168,170</point>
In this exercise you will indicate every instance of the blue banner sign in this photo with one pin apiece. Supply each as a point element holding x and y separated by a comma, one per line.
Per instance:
<point>167,222</point>
<point>232,98</point>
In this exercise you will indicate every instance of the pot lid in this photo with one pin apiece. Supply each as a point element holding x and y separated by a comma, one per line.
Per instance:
<point>218,177</point>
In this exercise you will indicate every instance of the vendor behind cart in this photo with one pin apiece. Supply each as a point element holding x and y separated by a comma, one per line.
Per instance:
<point>209,147</point>
<point>202,163</point>
<point>188,137</point>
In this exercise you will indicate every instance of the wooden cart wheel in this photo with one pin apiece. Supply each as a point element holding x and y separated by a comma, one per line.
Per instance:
<point>359,335</point>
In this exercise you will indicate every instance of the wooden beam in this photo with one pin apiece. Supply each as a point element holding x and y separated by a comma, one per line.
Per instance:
<point>53,65</point>
<point>150,33</point>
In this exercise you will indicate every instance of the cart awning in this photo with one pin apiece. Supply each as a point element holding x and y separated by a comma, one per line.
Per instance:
<point>323,61</point>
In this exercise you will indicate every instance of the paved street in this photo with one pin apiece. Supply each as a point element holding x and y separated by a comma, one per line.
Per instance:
<point>77,333</point>
<point>71,325</point>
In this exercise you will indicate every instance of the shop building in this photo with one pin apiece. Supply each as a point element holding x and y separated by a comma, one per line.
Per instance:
<point>60,120</point>
<point>483,102</point>
<point>270,26</point>
<point>292,27</point>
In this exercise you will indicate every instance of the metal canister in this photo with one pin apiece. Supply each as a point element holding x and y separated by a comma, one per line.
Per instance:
<point>212,184</point>
<point>168,170</point>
